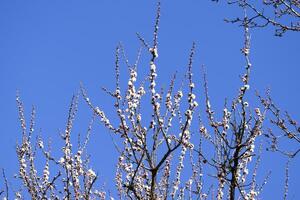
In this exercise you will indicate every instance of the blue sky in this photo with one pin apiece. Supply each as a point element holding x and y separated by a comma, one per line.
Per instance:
<point>48,47</point>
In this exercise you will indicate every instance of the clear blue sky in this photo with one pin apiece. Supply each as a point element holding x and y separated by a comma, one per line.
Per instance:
<point>48,47</point>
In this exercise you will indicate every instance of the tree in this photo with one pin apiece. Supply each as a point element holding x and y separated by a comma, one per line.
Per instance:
<point>283,15</point>
<point>155,151</point>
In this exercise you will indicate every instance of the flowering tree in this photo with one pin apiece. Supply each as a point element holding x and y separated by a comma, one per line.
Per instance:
<point>161,154</point>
